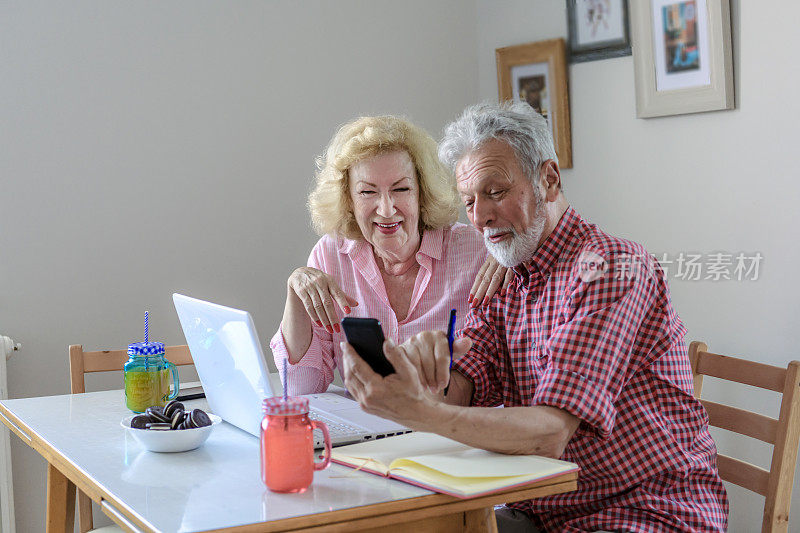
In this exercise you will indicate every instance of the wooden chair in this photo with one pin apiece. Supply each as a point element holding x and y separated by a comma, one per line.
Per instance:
<point>81,363</point>
<point>776,483</point>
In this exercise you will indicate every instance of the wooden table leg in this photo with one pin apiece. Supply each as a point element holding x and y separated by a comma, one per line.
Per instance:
<point>85,519</point>
<point>60,502</point>
<point>480,520</point>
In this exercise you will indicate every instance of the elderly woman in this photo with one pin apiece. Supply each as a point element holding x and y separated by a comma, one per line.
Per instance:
<point>391,249</point>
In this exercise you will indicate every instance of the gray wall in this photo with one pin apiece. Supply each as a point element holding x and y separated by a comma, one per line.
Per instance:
<point>154,147</point>
<point>713,182</point>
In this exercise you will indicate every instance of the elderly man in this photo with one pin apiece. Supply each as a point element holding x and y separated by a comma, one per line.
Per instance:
<point>584,351</point>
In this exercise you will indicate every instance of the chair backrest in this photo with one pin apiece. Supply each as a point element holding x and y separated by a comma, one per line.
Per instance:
<point>783,433</point>
<point>82,363</point>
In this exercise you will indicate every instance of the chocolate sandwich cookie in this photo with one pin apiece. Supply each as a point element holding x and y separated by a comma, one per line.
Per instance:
<point>199,418</point>
<point>159,426</point>
<point>171,407</point>
<point>156,412</point>
<point>177,419</point>
<point>187,421</point>
<point>140,421</point>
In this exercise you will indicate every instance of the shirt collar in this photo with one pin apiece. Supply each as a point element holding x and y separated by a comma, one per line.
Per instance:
<point>432,245</point>
<point>349,246</point>
<point>547,254</point>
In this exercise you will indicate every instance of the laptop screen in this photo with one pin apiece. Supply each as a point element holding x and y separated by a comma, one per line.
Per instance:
<point>228,358</point>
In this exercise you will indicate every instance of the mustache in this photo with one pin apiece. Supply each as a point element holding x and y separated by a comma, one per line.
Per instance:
<point>491,232</point>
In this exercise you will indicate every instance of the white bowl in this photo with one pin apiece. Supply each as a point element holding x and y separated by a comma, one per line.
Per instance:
<point>174,440</point>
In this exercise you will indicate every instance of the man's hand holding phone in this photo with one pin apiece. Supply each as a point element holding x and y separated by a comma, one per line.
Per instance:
<point>428,352</point>
<point>421,367</point>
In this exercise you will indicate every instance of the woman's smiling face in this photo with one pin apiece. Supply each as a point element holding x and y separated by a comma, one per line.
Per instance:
<point>384,190</point>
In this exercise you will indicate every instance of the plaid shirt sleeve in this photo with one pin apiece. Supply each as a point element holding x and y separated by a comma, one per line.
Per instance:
<point>608,329</point>
<point>480,364</point>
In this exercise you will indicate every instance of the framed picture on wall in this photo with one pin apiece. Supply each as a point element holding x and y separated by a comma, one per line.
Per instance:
<point>536,73</point>
<point>682,56</point>
<point>598,29</point>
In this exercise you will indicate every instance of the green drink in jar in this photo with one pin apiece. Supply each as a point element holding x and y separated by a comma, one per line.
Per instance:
<point>147,376</point>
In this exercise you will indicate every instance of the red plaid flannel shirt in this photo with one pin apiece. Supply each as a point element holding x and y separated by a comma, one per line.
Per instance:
<point>588,326</point>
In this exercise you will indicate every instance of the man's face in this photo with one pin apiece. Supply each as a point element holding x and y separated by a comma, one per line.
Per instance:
<point>501,202</point>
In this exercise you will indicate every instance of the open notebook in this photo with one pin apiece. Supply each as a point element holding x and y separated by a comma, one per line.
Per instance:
<point>444,465</point>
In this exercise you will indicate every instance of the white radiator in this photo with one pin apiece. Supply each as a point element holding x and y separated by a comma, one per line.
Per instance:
<point>7,347</point>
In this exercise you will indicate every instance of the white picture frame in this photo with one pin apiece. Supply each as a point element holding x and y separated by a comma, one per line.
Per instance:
<point>682,56</point>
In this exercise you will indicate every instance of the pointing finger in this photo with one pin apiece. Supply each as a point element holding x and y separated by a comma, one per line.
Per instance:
<point>342,299</point>
<point>401,365</point>
<point>332,319</point>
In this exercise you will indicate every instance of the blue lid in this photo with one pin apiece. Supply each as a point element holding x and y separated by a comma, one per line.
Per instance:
<point>146,348</point>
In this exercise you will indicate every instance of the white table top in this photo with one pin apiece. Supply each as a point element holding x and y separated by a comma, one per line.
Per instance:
<point>215,486</point>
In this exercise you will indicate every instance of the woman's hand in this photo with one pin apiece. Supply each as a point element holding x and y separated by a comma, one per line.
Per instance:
<point>488,280</point>
<point>318,292</point>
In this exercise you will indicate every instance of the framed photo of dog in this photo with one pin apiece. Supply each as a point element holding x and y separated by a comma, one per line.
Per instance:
<point>536,73</point>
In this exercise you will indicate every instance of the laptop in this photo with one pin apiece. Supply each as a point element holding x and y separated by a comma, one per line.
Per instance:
<point>231,366</point>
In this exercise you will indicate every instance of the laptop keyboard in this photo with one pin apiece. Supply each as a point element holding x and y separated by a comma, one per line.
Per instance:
<point>336,428</point>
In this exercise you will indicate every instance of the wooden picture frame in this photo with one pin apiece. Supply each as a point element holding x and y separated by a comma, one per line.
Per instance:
<point>537,73</point>
<point>682,56</point>
<point>597,29</point>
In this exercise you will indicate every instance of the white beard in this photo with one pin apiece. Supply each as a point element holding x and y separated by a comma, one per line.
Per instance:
<point>521,246</point>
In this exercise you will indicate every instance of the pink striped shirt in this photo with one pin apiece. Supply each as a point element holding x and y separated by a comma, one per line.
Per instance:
<point>449,260</point>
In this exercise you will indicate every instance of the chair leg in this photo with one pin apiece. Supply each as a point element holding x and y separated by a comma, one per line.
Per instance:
<point>84,512</point>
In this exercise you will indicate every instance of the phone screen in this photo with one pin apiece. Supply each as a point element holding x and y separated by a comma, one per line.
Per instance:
<point>366,337</point>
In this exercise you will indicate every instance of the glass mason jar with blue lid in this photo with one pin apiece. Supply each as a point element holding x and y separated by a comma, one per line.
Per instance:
<point>147,376</point>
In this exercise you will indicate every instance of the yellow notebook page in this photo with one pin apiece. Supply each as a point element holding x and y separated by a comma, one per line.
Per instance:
<point>384,451</point>
<point>456,484</point>
<point>472,462</point>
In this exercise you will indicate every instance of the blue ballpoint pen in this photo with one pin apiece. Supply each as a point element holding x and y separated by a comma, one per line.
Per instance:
<point>451,327</point>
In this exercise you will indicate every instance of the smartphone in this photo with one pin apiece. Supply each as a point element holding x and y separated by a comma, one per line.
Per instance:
<point>366,336</point>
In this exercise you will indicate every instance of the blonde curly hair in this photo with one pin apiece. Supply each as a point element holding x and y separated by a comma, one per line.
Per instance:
<point>330,204</point>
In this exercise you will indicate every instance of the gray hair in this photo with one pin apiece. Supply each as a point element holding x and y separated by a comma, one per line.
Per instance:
<point>516,123</point>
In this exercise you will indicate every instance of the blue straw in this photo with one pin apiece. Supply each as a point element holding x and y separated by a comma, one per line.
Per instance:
<point>145,327</point>
<point>285,372</point>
